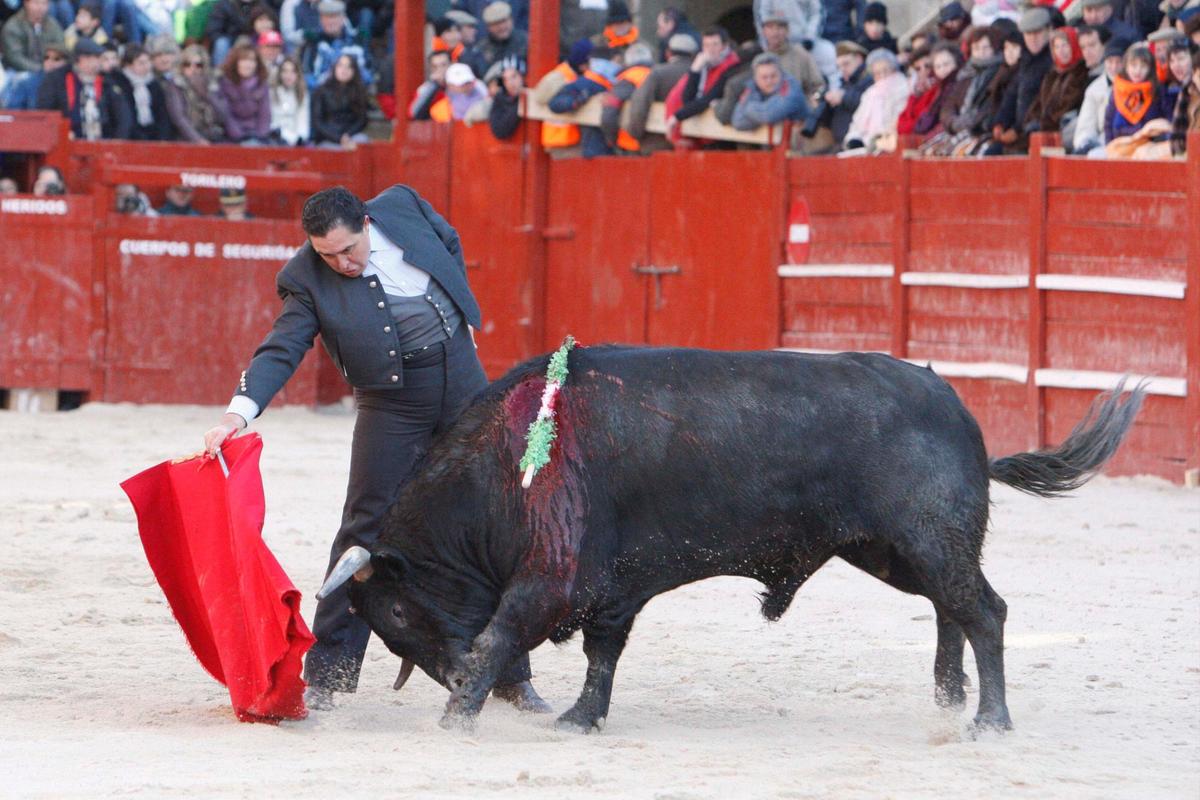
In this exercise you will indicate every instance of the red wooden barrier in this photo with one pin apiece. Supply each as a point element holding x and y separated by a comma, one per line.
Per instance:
<point>1029,284</point>
<point>682,250</point>
<point>46,292</point>
<point>189,298</point>
<point>841,297</point>
<point>485,189</point>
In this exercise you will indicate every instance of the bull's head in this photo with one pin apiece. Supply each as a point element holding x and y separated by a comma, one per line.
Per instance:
<point>381,597</point>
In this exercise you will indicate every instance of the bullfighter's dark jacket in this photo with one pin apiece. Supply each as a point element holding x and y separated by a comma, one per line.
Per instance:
<point>351,314</point>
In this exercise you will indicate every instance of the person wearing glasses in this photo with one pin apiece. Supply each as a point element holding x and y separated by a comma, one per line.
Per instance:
<point>22,93</point>
<point>205,120</point>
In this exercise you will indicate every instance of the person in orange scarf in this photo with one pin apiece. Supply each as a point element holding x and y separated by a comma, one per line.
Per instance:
<point>1063,87</point>
<point>619,31</point>
<point>447,36</point>
<point>1134,99</point>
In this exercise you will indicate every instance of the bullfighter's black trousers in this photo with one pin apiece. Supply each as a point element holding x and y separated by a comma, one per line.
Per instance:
<point>392,430</point>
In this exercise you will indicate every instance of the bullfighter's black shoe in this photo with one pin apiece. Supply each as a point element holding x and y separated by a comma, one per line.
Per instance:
<point>523,696</point>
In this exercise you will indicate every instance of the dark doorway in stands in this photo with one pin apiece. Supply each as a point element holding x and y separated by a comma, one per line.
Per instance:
<point>677,249</point>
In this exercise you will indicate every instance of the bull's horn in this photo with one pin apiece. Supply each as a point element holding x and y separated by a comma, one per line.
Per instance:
<point>406,668</point>
<point>353,561</point>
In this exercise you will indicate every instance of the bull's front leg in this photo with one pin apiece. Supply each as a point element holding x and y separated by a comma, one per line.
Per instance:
<point>527,612</point>
<point>603,647</point>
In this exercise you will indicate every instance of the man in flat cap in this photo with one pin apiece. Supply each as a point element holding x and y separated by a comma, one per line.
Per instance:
<point>1012,126</point>
<point>1099,13</point>
<point>336,40</point>
<point>802,19</point>
<point>503,40</point>
<point>95,105</point>
<point>841,103</point>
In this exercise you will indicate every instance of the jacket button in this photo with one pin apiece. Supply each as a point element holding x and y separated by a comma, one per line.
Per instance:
<point>380,304</point>
<point>392,353</point>
<point>387,328</point>
<point>395,378</point>
<point>428,297</point>
<point>373,284</point>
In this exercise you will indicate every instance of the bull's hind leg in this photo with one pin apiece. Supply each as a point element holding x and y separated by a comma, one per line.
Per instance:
<point>603,646</point>
<point>881,560</point>
<point>983,623</point>
<point>948,675</point>
<point>963,596</point>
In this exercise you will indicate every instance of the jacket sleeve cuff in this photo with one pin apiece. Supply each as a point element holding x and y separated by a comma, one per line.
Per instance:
<point>244,407</point>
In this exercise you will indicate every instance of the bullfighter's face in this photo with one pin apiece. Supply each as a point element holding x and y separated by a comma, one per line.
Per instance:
<point>345,251</point>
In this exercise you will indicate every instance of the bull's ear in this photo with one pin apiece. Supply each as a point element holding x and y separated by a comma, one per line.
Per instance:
<point>389,562</point>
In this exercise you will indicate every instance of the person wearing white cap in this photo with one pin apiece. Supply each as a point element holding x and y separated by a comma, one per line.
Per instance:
<point>463,89</point>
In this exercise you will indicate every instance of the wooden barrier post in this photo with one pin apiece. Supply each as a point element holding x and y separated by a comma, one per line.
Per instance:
<point>900,255</point>
<point>409,63</point>
<point>1191,299</point>
<point>1036,353</point>
<point>543,55</point>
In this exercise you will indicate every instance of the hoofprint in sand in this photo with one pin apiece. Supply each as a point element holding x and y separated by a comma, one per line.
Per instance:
<point>99,695</point>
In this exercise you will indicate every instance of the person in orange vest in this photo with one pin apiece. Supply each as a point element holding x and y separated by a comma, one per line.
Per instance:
<point>619,32</point>
<point>431,94</point>
<point>558,138</point>
<point>448,36</point>
<point>639,59</point>
<point>599,77</point>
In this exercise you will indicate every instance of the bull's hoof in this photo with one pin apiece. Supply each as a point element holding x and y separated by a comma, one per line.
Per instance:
<point>951,697</point>
<point>989,724</point>
<point>579,721</point>
<point>523,696</point>
<point>458,722</point>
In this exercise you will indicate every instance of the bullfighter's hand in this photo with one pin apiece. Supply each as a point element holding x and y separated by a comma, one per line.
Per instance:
<point>216,436</point>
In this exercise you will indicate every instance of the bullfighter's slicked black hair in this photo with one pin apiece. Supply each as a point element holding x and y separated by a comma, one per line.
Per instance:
<point>331,208</point>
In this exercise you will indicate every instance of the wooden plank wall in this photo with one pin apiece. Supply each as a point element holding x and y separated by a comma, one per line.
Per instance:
<point>1030,284</point>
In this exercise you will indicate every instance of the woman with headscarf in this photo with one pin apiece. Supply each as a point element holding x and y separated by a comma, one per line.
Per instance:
<point>1063,87</point>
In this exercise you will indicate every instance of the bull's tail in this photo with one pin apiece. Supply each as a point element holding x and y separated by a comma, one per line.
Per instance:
<point>1093,441</point>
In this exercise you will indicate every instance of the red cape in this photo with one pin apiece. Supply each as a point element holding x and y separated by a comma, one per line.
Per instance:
<point>241,614</point>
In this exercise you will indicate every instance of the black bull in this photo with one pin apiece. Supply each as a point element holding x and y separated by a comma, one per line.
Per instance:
<point>676,465</point>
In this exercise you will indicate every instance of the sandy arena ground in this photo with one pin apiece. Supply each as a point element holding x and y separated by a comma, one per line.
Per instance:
<point>100,696</point>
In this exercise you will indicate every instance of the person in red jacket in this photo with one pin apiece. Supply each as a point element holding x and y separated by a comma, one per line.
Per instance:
<point>703,84</point>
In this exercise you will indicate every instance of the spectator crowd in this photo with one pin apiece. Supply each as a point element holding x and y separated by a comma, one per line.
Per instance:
<point>1115,78</point>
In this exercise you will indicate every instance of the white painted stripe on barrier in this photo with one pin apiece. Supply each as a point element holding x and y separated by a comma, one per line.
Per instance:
<point>1092,283</point>
<point>798,234</point>
<point>964,280</point>
<point>835,271</point>
<point>950,369</point>
<point>975,369</point>
<point>816,351</point>
<point>1090,379</point>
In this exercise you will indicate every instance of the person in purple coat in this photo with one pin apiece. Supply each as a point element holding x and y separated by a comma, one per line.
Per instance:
<point>244,93</point>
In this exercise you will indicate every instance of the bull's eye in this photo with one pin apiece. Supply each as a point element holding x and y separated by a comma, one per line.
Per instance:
<point>398,614</point>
